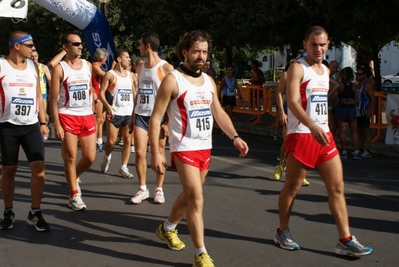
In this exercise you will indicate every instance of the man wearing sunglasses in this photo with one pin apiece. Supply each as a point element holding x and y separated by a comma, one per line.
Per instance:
<point>22,109</point>
<point>71,107</point>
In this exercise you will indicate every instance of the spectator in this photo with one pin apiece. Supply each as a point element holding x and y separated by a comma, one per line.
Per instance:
<point>345,112</point>
<point>229,90</point>
<point>365,93</point>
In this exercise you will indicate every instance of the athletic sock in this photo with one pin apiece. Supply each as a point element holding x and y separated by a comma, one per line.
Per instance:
<point>167,225</point>
<point>199,251</point>
<point>345,240</point>
<point>74,192</point>
<point>143,187</point>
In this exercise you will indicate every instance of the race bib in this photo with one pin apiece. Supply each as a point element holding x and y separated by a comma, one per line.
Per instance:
<point>22,109</point>
<point>124,98</point>
<point>200,121</point>
<point>78,95</point>
<point>146,96</point>
<point>319,108</point>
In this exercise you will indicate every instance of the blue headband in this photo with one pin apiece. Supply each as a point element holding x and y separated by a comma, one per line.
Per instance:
<point>303,54</point>
<point>20,40</point>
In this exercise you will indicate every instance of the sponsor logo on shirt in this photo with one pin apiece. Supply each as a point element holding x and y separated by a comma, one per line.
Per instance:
<point>145,91</point>
<point>23,101</point>
<point>77,87</point>
<point>198,113</point>
<point>319,98</point>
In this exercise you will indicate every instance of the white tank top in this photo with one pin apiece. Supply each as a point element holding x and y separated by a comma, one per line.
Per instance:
<point>190,118</point>
<point>75,94</point>
<point>313,99</point>
<point>149,81</point>
<point>121,91</point>
<point>18,95</point>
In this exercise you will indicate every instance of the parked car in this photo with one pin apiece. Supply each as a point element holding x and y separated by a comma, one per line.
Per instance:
<point>391,78</point>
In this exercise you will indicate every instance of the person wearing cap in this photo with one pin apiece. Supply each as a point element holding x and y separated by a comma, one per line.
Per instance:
<point>22,123</point>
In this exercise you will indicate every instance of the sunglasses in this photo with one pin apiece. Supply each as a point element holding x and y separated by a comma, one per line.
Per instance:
<point>75,43</point>
<point>28,45</point>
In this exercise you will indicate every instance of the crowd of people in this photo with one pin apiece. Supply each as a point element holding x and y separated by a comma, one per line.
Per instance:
<point>158,102</point>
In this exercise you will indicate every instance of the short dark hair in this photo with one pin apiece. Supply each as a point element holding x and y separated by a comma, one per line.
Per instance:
<point>316,30</point>
<point>151,38</point>
<point>64,38</point>
<point>119,52</point>
<point>187,40</point>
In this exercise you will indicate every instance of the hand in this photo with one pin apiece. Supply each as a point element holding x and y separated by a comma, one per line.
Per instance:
<point>59,132</point>
<point>44,129</point>
<point>158,163</point>
<point>320,135</point>
<point>242,146</point>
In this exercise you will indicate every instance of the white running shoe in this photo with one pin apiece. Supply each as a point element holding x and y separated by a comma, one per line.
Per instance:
<point>159,197</point>
<point>76,203</point>
<point>124,172</point>
<point>105,164</point>
<point>140,196</point>
<point>132,150</point>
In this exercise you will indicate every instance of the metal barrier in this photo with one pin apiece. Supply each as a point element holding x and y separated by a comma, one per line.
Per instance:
<point>254,101</point>
<point>376,121</point>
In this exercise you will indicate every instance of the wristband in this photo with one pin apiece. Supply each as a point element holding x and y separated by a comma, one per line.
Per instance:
<point>234,138</point>
<point>43,123</point>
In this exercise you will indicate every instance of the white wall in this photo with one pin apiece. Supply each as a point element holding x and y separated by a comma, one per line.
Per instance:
<point>389,58</point>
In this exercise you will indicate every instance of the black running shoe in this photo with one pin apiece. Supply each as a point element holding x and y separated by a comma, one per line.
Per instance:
<point>8,220</point>
<point>38,221</point>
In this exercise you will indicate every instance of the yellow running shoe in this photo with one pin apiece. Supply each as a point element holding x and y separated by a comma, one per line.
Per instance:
<point>305,182</point>
<point>279,170</point>
<point>203,260</point>
<point>170,237</point>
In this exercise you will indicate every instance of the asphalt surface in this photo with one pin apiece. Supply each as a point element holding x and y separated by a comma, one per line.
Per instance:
<point>241,214</point>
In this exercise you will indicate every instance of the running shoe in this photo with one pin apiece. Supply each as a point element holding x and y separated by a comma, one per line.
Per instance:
<point>124,172</point>
<point>203,260</point>
<point>100,147</point>
<point>276,137</point>
<point>352,248</point>
<point>140,196</point>
<point>344,155</point>
<point>8,220</point>
<point>105,164</point>
<point>305,182</point>
<point>76,203</point>
<point>285,240</point>
<point>148,148</point>
<point>38,221</point>
<point>278,171</point>
<point>356,155</point>
<point>120,142</point>
<point>159,197</point>
<point>171,238</point>
<point>132,150</point>
<point>365,154</point>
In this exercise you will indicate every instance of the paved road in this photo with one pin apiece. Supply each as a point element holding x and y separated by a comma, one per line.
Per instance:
<point>241,215</point>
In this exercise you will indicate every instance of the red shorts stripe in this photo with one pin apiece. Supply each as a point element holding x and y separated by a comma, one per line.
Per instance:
<point>308,151</point>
